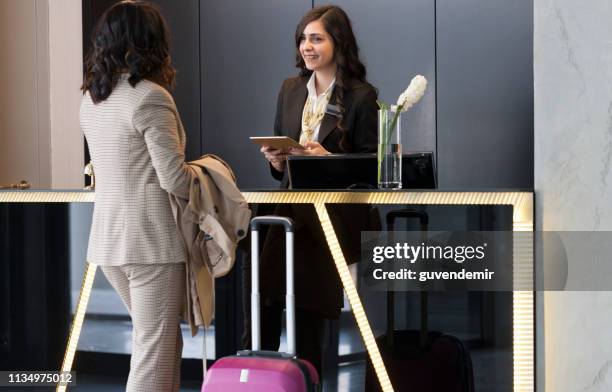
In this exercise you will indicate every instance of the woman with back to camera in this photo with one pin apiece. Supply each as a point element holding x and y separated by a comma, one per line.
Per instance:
<point>329,108</point>
<point>137,146</point>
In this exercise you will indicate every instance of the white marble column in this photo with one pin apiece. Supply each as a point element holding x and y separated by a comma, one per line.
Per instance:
<point>65,79</point>
<point>573,180</point>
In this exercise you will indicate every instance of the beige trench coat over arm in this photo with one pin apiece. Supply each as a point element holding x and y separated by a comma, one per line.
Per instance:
<point>211,222</point>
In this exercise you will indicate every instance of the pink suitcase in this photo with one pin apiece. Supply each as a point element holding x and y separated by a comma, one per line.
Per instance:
<point>267,371</point>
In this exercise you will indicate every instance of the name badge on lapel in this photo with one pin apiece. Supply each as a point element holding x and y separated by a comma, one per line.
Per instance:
<point>333,110</point>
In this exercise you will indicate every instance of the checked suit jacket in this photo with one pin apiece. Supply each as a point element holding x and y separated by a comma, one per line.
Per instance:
<point>137,146</point>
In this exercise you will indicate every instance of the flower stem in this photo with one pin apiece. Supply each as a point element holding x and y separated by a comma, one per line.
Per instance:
<point>386,132</point>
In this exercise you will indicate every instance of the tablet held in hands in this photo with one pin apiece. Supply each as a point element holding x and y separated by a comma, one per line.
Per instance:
<point>277,142</point>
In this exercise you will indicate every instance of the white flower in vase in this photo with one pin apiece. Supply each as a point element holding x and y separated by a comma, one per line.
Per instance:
<point>413,93</point>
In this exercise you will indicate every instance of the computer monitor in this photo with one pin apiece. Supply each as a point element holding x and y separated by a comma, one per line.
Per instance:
<point>357,171</point>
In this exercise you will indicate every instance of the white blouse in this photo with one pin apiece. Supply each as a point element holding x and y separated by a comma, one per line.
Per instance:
<point>314,110</point>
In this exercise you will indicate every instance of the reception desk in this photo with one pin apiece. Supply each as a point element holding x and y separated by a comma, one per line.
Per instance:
<point>523,302</point>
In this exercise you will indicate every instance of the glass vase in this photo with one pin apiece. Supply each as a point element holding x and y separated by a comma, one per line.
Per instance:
<point>389,149</point>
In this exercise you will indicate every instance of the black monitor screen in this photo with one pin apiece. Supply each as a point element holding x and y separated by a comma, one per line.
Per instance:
<point>357,171</point>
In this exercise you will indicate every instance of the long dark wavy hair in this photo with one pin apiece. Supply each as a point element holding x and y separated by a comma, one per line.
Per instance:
<point>346,53</point>
<point>130,37</point>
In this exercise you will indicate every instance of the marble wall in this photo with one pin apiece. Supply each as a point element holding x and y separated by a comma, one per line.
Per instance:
<point>573,181</point>
<point>65,79</point>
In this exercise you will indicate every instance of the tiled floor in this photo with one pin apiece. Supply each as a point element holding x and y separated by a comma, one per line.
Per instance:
<point>490,366</point>
<point>115,336</point>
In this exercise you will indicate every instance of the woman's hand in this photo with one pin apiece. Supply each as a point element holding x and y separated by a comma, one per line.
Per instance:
<point>275,157</point>
<point>310,148</point>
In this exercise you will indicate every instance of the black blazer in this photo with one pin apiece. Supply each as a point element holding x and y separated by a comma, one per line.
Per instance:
<point>359,118</point>
<point>317,285</point>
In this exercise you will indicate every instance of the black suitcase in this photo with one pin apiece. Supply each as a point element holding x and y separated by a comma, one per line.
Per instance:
<point>420,360</point>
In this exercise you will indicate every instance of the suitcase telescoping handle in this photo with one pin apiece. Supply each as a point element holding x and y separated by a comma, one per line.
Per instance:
<point>424,221</point>
<point>289,295</point>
